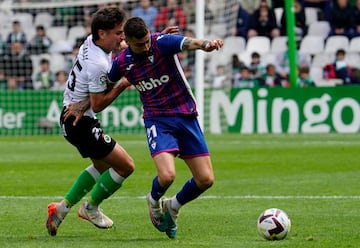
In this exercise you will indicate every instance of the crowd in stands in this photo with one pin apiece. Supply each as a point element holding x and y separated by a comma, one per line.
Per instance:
<point>29,61</point>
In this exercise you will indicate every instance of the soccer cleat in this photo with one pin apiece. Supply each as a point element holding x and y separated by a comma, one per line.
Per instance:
<point>95,216</point>
<point>170,217</point>
<point>55,217</point>
<point>156,215</point>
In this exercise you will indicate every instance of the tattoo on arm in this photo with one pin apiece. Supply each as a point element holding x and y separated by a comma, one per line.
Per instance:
<point>186,43</point>
<point>204,44</point>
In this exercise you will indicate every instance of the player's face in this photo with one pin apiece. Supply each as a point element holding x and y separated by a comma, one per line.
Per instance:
<point>112,38</point>
<point>140,46</point>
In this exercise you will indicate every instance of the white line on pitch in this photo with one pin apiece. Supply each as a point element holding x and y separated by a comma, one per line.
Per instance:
<point>314,197</point>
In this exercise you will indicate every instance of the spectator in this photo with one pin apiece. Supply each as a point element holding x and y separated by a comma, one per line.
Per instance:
<point>3,80</point>
<point>304,80</point>
<point>40,43</point>
<point>170,15</point>
<point>271,78</point>
<point>16,35</point>
<point>44,79</point>
<point>245,79</point>
<point>342,19</point>
<point>3,46</point>
<point>60,80</point>
<point>17,66</point>
<point>282,63</point>
<point>339,69</point>
<point>356,15</point>
<point>257,68</point>
<point>147,12</point>
<point>263,22</point>
<point>300,21</point>
<point>236,65</point>
<point>220,77</point>
<point>242,23</point>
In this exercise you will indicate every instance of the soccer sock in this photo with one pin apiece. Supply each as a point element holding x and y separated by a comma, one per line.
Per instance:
<point>189,192</point>
<point>106,185</point>
<point>82,185</point>
<point>157,191</point>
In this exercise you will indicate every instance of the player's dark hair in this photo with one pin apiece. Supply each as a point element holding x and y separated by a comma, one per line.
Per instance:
<point>135,27</point>
<point>106,19</point>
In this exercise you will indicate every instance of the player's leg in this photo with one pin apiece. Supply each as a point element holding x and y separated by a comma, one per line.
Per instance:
<point>165,166</point>
<point>77,136</point>
<point>202,179</point>
<point>58,210</point>
<point>163,147</point>
<point>116,167</point>
<point>194,151</point>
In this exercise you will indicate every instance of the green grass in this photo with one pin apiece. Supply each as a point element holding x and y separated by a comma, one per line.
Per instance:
<point>314,178</point>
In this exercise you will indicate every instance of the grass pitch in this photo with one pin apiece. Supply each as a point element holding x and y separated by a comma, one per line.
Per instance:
<point>314,178</point>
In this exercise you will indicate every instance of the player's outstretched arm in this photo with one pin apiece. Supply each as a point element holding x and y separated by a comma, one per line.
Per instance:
<point>203,44</point>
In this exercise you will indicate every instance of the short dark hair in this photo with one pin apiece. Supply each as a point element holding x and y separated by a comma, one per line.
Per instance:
<point>135,27</point>
<point>106,19</point>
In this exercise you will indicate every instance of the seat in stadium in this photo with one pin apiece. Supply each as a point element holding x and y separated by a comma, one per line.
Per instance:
<point>56,33</point>
<point>74,33</point>
<point>312,45</point>
<point>354,45</point>
<point>43,18</point>
<point>322,59</point>
<point>319,28</point>
<point>278,44</point>
<point>219,30</point>
<point>333,43</point>
<point>233,45</point>
<point>25,19</point>
<point>260,44</point>
<point>278,13</point>
<point>353,59</point>
<point>311,15</point>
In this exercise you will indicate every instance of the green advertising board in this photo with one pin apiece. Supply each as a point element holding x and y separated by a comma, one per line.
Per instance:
<point>258,110</point>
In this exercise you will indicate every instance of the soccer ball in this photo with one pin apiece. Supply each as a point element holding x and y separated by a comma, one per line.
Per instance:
<point>273,224</point>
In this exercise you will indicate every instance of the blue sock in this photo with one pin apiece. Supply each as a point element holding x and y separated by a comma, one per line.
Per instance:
<point>189,192</point>
<point>157,191</point>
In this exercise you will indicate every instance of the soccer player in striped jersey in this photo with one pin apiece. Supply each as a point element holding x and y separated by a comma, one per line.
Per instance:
<point>151,65</point>
<point>88,83</point>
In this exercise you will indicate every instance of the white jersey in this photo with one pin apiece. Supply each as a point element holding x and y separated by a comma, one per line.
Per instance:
<point>88,75</point>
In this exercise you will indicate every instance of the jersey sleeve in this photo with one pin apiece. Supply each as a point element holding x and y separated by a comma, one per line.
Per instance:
<point>97,79</point>
<point>114,73</point>
<point>170,43</point>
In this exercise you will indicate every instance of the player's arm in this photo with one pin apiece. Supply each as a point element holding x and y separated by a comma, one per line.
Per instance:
<point>100,101</point>
<point>203,44</point>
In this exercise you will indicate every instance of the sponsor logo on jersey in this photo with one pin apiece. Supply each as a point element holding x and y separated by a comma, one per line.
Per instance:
<point>107,138</point>
<point>152,83</point>
<point>128,68</point>
<point>103,79</point>
<point>159,37</point>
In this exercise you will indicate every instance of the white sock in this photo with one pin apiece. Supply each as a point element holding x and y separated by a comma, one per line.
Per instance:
<point>174,204</point>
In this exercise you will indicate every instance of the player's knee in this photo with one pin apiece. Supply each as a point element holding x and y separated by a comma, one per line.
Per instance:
<point>130,166</point>
<point>166,178</point>
<point>206,182</point>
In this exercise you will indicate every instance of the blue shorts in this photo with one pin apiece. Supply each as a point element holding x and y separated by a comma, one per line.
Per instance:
<point>181,135</point>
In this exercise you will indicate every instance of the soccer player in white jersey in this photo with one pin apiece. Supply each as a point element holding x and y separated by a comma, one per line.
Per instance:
<point>87,81</point>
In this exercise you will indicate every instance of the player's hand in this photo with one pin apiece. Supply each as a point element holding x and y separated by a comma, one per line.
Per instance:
<point>213,44</point>
<point>171,30</point>
<point>77,110</point>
